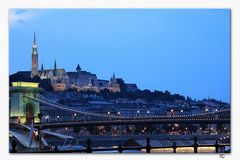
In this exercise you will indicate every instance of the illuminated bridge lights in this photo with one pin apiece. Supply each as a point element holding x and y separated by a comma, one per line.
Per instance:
<point>149,118</point>
<point>25,84</point>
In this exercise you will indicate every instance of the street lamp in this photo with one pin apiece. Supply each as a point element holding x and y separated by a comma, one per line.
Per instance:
<point>118,114</point>
<point>172,112</point>
<point>19,119</point>
<point>138,113</point>
<point>58,118</point>
<point>66,130</point>
<point>75,117</point>
<point>47,117</point>
<point>108,114</point>
<point>148,113</point>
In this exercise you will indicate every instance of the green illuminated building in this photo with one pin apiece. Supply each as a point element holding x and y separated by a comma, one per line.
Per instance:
<point>23,109</point>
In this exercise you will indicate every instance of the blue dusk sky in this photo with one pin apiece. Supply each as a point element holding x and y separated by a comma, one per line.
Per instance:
<point>185,51</point>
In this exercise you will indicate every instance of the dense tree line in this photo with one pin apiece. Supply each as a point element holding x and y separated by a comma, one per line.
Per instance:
<point>138,94</point>
<point>44,83</point>
<point>141,94</point>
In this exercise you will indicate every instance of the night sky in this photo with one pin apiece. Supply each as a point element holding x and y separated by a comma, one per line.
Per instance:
<point>183,51</point>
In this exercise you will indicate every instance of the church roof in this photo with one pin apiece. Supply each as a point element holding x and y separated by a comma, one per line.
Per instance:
<point>78,68</point>
<point>102,80</point>
<point>60,71</point>
<point>81,73</point>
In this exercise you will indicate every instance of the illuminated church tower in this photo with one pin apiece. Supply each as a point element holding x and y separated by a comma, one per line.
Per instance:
<point>34,59</point>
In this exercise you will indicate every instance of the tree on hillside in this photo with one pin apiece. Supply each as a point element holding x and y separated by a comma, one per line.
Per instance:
<point>36,79</point>
<point>123,87</point>
<point>46,85</point>
<point>16,77</point>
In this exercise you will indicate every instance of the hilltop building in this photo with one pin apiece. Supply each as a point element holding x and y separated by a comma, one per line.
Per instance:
<point>58,77</point>
<point>79,79</point>
<point>82,80</point>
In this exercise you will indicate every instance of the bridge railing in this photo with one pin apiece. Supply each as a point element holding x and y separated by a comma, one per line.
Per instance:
<point>148,148</point>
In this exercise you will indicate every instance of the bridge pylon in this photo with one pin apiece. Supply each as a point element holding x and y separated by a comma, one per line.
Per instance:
<point>21,109</point>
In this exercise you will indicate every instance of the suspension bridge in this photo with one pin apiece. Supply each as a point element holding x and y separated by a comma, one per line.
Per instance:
<point>220,116</point>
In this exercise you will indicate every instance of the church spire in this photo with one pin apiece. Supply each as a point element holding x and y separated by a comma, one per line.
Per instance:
<point>42,68</point>
<point>55,64</point>
<point>78,69</point>
<point>55,68</point>
<point>114,76</point>
<point>34,43</point>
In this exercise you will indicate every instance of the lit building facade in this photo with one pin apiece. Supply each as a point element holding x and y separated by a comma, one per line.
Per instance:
<point>57,76</point>
<point>23,109</point>
<point>83,80</point>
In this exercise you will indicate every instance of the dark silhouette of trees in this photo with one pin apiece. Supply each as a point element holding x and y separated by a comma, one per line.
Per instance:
<point>46,85</point>
<point>122,85</point>
<point>36,79</point>
<point>145,94</point>
<point>105,93</point>
<point>139,94</point>
<point>24,77</point>
<point>19,77</point>
<point>71,90</point>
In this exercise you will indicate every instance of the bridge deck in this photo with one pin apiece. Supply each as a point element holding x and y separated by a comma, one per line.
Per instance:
<point>134,121</point>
